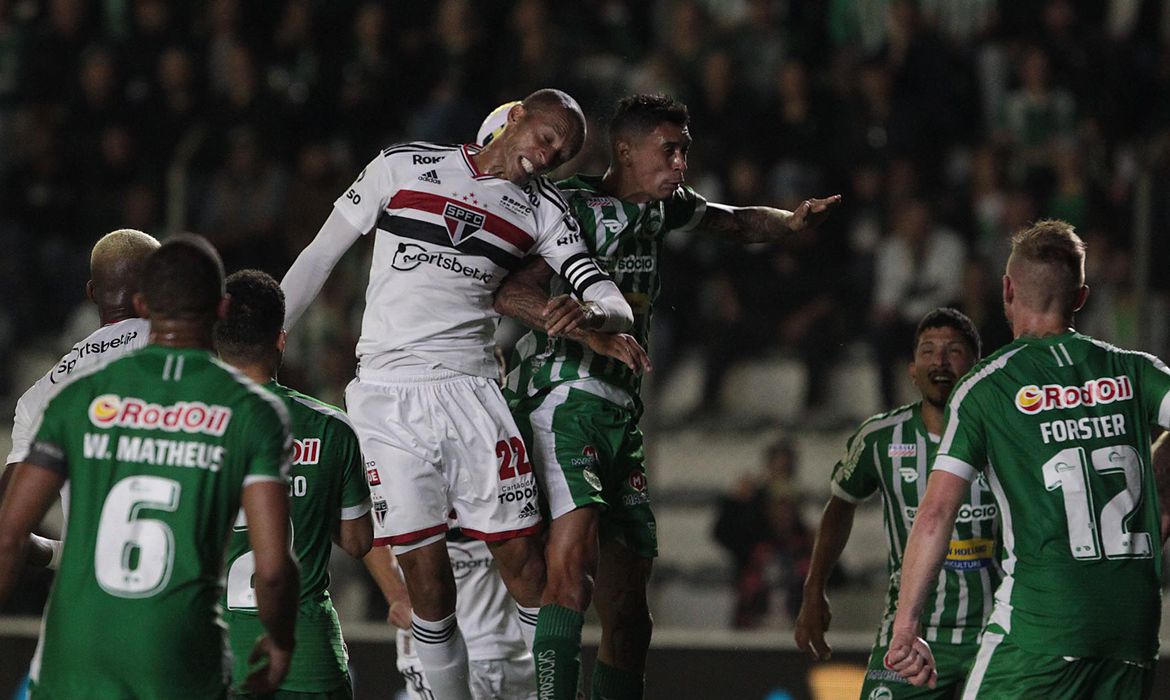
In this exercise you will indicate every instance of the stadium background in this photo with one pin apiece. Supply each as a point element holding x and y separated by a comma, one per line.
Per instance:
<point>945,123</point>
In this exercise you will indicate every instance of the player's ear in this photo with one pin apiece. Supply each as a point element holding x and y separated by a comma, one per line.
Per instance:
<point>140,308</point>
<point>90,290</point>
<point>622,149</point>
<point>1009,291</point>
<point>516,113</point>
<point>281,340</point>
<point>225,302</point>
<point>1082,297</point>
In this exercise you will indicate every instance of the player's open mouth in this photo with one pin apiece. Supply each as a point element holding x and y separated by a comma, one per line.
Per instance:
<point>527,165</point>
<point>939,378</point>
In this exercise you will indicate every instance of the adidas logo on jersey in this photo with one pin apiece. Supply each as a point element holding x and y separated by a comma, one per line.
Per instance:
<point>529,510</point>
<point>431,176</point>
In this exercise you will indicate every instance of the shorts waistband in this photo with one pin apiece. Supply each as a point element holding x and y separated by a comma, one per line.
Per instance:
<point>410,376</point>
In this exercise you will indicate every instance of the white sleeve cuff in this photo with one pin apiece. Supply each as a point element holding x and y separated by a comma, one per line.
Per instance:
<point>355,512</point>
<point>955,466</point>
<point>836,490</point>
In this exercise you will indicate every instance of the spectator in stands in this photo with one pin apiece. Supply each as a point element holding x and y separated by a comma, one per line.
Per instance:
<point>916,272</point>
<point>760,525</point>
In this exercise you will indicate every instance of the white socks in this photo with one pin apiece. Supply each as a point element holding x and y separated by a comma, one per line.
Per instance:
<point>527,623</point>
<point>443,655</point>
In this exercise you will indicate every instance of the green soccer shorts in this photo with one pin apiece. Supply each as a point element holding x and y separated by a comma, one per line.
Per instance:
<point>1004,671</point>
<point>587,450</point>
<point>953,662</point>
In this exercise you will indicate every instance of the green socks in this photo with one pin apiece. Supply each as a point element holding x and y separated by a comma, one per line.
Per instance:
<point>557,652</point>
<point>611,683</point>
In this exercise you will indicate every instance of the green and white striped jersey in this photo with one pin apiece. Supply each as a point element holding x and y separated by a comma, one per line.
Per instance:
<point>891,454</point>
<point>1060,426</point>
<point>624,237</point>
<point>157,447</point>
<point>327,483</point>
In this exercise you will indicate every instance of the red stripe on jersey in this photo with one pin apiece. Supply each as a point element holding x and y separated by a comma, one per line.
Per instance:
<point>467,153</point>
<point>435,203</point>
<point>506,535</point>
<point>410,536</point>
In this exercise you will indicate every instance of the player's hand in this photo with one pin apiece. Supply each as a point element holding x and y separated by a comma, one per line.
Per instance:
<point>622,347</point>
<point>811,213</point>
<point>563,313</point>
<point>267,666</point>
<point>399,614</point>
<point>910,657</point>
<point>811,624</point>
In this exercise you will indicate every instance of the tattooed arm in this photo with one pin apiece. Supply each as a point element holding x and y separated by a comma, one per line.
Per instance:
<point>765,224</point>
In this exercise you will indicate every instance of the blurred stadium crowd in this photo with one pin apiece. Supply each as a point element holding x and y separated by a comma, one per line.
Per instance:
<point>945,123</point>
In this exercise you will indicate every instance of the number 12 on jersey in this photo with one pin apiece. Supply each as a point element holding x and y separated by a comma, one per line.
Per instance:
<point>1089,533</point>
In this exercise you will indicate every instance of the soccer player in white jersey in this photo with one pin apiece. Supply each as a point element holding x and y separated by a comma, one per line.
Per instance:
<point>115,264</point>
<point>1059,424</point>
<point>451,221</point>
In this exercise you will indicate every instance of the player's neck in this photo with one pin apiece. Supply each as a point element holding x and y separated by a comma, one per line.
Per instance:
<point>1039,325</point>
<point>259,373</point>
<point>181,334</point>
<point>614,185</point>
<point>114,314</point>
<point>932,417</point>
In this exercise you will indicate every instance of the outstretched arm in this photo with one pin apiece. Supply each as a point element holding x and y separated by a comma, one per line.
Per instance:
<point>765,224</point>
<point>925,550</point>
<point>815,613</point>
<point>309,271</point>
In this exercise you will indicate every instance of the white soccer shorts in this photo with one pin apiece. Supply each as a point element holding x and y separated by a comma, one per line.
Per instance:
<point>439,441</point>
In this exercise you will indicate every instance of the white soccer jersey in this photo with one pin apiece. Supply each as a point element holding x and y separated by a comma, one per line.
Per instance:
<point>447,234</point>
<point>106,343</point>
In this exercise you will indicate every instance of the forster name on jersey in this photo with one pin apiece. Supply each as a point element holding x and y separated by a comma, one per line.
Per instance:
<point>1033,400</point>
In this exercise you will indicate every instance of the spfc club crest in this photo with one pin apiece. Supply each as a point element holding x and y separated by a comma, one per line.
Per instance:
<point>462,223</point>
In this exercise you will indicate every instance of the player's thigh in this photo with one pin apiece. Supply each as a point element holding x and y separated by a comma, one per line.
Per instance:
<point>489,469</point>
<point>1003,670</point>
<point>407,487</point>
<point>575,436</point>
<point>629,519</point>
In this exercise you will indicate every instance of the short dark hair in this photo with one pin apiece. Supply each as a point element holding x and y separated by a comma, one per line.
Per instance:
<point>946,317</point>
<point>638,115</point>
<point>183,279</point>
<point>254,319</point>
